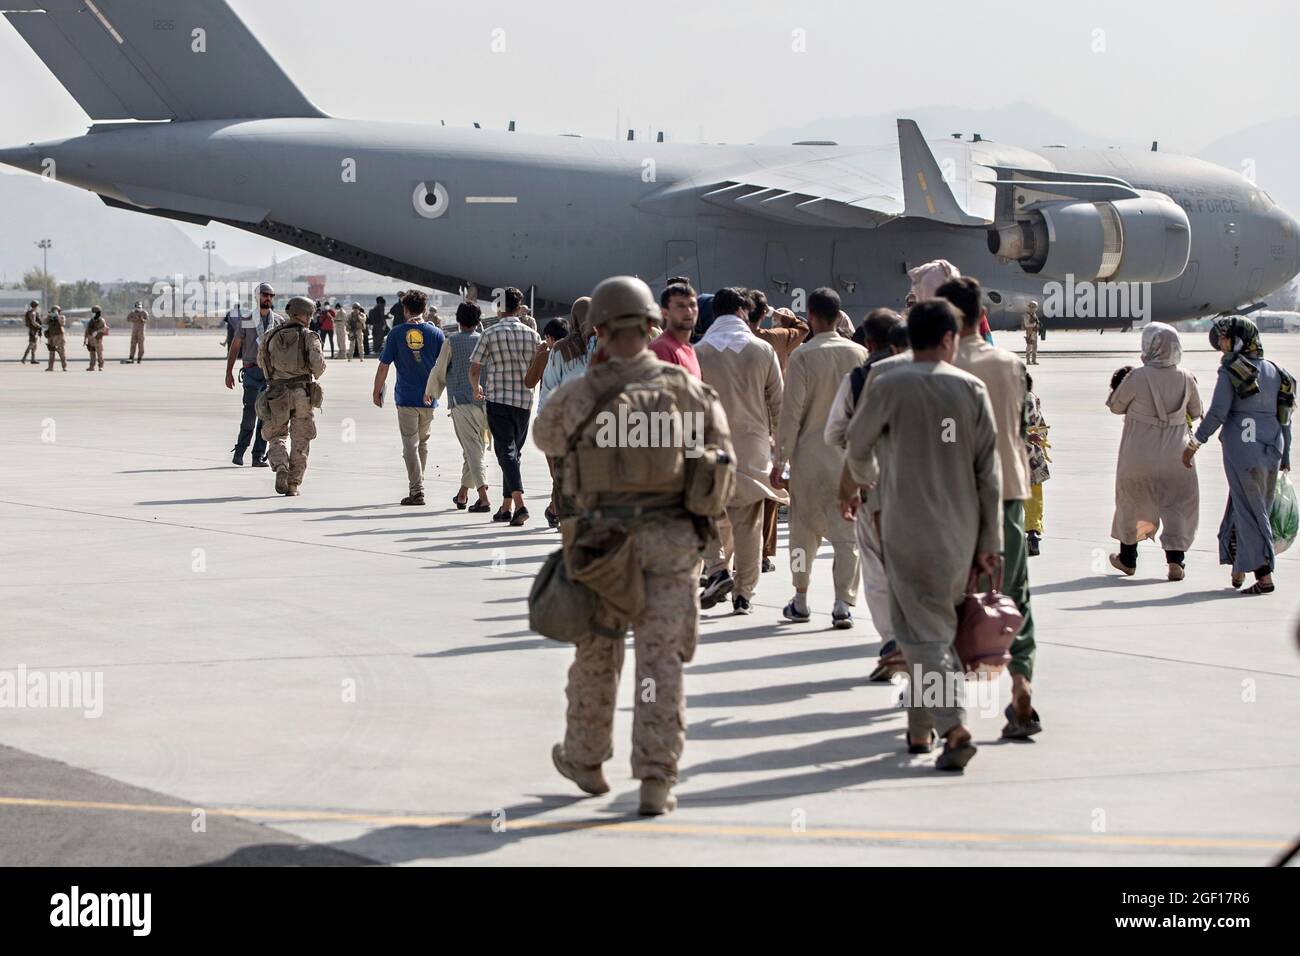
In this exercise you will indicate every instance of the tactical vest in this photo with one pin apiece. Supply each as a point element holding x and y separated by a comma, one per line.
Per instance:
<point>288,361</point>
<point>637,446</point>
<point>643,444</point>
<point>289,364</point>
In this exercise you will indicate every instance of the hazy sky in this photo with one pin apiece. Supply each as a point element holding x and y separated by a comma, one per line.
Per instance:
<point>1185,73</point>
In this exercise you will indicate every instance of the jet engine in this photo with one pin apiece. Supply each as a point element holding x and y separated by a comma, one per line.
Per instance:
<point>1146,239</point>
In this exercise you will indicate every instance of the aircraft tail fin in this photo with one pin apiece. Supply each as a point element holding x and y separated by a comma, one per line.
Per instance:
<point>158,59</point>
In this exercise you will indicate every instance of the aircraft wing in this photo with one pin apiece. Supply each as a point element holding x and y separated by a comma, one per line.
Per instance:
<point>857,188</point>
<point>843,190</point>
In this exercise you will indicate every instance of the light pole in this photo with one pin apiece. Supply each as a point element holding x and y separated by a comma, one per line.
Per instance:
<point>207,292</point>
<point>44,246</point>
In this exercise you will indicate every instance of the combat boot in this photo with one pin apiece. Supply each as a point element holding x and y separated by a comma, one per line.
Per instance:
<point>238,457</point>
<point>656,798</point>
<point>589,779</point>
<point>292,491</point>
<point>282,482</point>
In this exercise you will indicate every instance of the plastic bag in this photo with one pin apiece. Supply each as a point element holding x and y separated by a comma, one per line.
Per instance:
<point>1284,516</point>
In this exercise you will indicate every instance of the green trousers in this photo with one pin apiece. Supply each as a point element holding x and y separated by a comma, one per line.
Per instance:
<point>1015,584</point>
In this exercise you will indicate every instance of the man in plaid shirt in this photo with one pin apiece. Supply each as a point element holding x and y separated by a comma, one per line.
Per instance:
<point>505,351</point>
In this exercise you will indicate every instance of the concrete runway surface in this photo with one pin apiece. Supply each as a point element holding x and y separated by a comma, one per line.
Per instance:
<point>334,679</point>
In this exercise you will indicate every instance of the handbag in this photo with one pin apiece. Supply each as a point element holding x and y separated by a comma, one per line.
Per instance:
<point>987,623</point>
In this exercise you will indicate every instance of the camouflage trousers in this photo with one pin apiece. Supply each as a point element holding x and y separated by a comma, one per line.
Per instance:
<point>96,350</point>
<point>57,347</point>
<point>291,420</point>
<point>664,640</point>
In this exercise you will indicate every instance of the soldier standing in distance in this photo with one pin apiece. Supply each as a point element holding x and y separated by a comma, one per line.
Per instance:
<point>96,329</point>
<point>668,540</point>
<point>1029,323</point>
<point>32,320</point>
<point>138,318</point>
<point>55,324</point>
<point>290,357</point>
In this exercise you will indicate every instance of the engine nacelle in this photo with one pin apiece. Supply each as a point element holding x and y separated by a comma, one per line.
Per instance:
<point>1147,239</point>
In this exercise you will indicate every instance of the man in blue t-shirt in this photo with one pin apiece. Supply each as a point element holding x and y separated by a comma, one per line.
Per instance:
<point>414,346</point>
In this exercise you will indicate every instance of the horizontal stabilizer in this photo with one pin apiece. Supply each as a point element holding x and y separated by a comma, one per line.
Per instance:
<point>157,59</point>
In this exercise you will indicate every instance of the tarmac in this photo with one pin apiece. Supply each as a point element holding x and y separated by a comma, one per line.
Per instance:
<point>335,679</point>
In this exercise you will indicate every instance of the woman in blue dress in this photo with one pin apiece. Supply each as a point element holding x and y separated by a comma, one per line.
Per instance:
<point>1252,404</point>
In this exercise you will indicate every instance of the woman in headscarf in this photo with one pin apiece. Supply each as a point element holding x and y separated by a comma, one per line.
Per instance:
<point>1158,401</point>
<point>1252,404</point>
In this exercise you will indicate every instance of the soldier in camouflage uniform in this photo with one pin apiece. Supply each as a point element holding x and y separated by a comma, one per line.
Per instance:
<point>96,329</point>
<point>32,319</point>
<point>138,318</point>
<point>669,542</point>
<point>290,357</point>
<point>55,324</point>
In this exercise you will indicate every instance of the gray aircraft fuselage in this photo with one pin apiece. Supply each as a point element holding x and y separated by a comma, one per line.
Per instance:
<point>557,213</point>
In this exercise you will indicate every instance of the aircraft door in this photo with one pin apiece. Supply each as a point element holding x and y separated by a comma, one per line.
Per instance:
<point>776,268</point>
<point>849,268</point>
<point>1188,284</point>
<point>681,258</point>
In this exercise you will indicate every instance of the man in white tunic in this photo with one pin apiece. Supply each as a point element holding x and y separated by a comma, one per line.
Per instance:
<point>743,369</point>
<point>940,493</point>
<point>813,375</point>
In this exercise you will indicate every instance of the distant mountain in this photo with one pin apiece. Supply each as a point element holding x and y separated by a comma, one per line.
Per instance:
<point>91,241</point>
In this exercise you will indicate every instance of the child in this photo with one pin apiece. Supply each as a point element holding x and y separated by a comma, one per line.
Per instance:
<point>1037,445</point>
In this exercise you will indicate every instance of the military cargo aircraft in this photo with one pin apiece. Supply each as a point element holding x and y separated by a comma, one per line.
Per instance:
<point>194,121</point>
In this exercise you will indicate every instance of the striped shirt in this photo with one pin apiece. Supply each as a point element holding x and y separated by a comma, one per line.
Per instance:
<point>505,351</point>
<point>462,346</point>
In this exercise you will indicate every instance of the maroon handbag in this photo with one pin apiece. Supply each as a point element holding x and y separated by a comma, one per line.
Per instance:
<point>987,623</point>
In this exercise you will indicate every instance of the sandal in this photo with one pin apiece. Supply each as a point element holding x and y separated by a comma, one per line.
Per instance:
<point>519,518</point>
<point>552,519</point>
<point>501,516</point>
<point>1238,580</point>
<point>955,758</point>
<point>479,507</point>
<point>459,502</point>
<point>1017,729</point>
<point>1258,588</point>
<point>925,748</point>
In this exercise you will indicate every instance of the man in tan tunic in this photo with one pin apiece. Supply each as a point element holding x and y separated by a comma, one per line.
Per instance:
<point>1003,374</point>
<point>744,371</point>
<point>788,331</point>
<point>813,377</point>
<point>341,332</point>
<point>940,483</point>
<point>1153,491</point>
<point>138,318</point>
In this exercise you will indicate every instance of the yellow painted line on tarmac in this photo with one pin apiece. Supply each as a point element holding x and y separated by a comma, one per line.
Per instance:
<point>661,827</point>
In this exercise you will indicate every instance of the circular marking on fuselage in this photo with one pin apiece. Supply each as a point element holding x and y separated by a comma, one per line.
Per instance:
<point>430,203</point>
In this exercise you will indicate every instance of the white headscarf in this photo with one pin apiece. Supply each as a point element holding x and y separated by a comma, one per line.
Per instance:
<point>927,278</point>
<point>1161,346</point>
